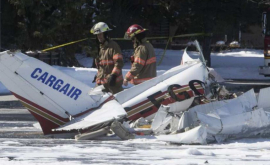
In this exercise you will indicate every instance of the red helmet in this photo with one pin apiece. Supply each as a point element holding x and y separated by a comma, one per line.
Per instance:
<point>133,30</point>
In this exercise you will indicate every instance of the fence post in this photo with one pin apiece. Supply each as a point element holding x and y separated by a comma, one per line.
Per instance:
<point>51,59</point>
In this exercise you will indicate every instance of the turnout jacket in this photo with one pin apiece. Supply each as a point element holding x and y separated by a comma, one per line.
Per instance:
<point>109,61</point>
<point>144,66</point>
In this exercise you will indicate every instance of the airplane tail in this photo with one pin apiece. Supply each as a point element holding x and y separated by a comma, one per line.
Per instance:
<point>53,97</point>
<point>186,59</point>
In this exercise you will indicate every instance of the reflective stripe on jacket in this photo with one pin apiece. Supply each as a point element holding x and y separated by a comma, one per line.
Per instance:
<point>110,61</point>
<point>144,65</point>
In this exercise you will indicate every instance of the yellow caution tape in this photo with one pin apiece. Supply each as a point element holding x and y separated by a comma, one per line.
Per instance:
<point>64,44</point>
<point>149,38</point>
<point>169,40</point>
<point>178,36</point>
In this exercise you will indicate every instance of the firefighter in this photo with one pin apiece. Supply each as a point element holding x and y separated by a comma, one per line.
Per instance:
<point>109,61</point>
<point>144,60</point>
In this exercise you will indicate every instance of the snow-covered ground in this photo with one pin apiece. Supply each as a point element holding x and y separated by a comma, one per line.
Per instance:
<point>69,152</point>
<point>236,64</point>
<point>146,151</point>
<point>36,149</point>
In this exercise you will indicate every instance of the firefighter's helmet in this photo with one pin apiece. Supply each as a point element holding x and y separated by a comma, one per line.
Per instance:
<point>133,30</point>
<point>100,27</point>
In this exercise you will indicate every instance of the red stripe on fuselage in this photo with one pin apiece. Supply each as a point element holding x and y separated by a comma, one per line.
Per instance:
<point>153,109</point>
<point>45,124</point>
<point>41,108</point>
<point>157,96</point>
<point>48,125</point>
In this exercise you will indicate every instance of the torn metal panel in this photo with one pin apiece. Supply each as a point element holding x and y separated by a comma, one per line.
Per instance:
<point>245,123</point>
<point>161,120</point>
<point>218,78</point>
<point>209,108</point>
<point>213,124</point>
<point>241,104</point>
<point>178,107</point>
<point>184,122</point>
<point>263,98</point>
<point>194,136</point>
<point>229,118</point>
<point>235,118</point>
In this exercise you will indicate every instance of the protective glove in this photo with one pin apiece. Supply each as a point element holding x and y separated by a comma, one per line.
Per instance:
<point>112,80</point>
<point>94,80</point>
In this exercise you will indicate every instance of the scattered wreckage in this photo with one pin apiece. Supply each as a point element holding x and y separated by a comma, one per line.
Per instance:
<point>184,105</point>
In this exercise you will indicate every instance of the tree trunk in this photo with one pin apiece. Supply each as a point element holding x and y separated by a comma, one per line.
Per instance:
<point>209,23</point>
<point>172,31</point>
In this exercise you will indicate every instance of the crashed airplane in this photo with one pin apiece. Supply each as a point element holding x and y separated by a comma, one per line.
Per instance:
<point>65,107</point>
<point>241,117</point>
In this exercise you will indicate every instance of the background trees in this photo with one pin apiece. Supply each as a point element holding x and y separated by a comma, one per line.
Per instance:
<point>39,24</point>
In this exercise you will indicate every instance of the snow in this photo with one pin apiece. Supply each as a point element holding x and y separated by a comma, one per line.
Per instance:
<point>235,64</point>
<point>220,43</point>
<point>51,151</point>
